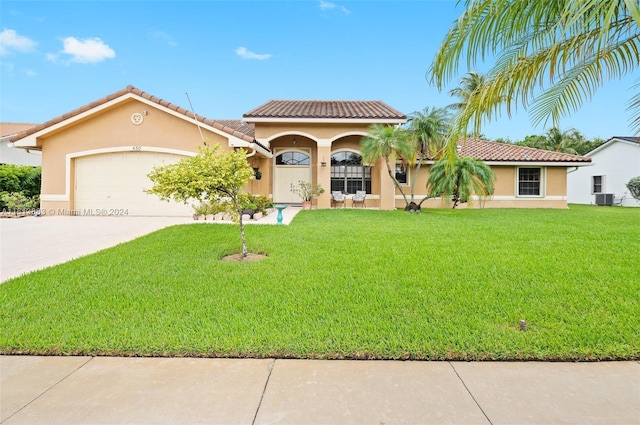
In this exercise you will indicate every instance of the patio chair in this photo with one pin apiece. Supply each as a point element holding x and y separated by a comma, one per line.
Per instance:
<point>337,198</point>
<point>359,198</point>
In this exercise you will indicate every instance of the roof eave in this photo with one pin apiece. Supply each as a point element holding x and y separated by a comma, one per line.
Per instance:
<point>609,143</point>
<point>325,120</point>
<point>540,163</point>
<point>31,139</point>
<point>240,143</point>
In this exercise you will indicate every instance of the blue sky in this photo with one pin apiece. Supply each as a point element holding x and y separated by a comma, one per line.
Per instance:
<point>232,56</point>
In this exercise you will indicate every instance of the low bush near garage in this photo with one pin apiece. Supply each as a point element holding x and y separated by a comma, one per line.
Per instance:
<point>19,187</point>
<point>445,284</point>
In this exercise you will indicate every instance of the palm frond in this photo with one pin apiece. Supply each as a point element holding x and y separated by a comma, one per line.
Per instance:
<point>634,107</point>
<point>565,49</point>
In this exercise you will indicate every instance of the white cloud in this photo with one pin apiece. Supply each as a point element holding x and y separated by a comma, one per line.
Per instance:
<point>327,5</point>
<point>31,73</point>
<point>7,68</point>
<point>11,41</point>
<point>163,36</point>
<point>90,50</point>
<point>246,54</point>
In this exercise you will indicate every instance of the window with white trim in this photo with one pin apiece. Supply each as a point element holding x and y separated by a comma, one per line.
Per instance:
<point>530,182</point>
<point>348,174</point>
<point>293,158</point>
<point>597,184</point>
<point>402,173</point>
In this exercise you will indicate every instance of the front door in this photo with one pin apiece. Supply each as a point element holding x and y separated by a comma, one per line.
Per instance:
<point>291,167</point>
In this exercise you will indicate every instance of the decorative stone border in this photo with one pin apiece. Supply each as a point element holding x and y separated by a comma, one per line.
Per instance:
<point>226,217</point>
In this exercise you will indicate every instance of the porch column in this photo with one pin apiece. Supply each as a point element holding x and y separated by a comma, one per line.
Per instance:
<point>323,174</point>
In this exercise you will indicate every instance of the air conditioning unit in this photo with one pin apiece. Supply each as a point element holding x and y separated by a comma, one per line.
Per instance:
<point>604,199</point>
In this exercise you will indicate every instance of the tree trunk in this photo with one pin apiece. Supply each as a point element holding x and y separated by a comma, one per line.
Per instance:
<point>395,182</point>
<point>245,252</point>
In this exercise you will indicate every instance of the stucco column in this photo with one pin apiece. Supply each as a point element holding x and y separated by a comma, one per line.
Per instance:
<point>323,175</point>
<point>387,188</point>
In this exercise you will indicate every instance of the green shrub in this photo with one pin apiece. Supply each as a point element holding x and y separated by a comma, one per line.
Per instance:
<point>18,201</point>
<point>634,187</point>
<point>22,179</point>
<point>259,203</point>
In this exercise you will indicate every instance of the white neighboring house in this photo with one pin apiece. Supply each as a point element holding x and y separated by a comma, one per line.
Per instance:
<point>614,163</point>
<point>12,155</point>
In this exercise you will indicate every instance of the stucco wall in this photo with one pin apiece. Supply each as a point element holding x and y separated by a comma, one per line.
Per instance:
<point>504,196</point>
<point>325,131</point>
<point>617,162</point>
<point>112,128</point>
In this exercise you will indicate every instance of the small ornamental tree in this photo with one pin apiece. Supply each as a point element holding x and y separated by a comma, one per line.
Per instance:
<point>634,187</point>
<point>208,176</point>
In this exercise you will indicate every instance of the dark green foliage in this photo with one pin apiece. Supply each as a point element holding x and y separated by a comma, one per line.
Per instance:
<point>569,141</point>
<point>20,181</point>
<point>634,187</point>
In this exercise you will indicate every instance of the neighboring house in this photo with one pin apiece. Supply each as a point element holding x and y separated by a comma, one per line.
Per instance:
<point>9,154</point>
<point>614,163</point>
<point>96,158</point>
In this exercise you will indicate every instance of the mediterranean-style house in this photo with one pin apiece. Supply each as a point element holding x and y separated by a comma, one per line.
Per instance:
<point>97,157</point>
<point>614,163</point>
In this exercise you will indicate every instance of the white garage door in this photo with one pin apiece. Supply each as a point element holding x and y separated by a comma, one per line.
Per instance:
<point>115,183</point>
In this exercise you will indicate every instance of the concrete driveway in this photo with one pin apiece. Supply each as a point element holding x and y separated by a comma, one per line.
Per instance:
<point>33,243</point>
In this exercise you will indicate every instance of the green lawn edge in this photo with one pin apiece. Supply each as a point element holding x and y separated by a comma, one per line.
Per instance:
<point>347,284</point>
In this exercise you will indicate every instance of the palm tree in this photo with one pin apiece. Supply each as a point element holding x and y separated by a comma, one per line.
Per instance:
<point>389,143</point>
<point>468,176</point>
<point>563,141</point>
<point>550,55</point>
<point>469,86</point>
<point>429,129</point>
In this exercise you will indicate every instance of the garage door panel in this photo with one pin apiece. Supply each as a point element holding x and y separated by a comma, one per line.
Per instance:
<point>118,181</point>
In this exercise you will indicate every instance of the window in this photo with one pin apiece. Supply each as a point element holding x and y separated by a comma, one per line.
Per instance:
<point>292,158</point>
<point>401,173</point>
<point>529,182</point>
<point>597,184</point>
<point>348,174</point>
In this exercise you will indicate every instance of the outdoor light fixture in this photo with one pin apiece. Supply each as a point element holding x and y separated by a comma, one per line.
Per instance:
<point>294,140</point>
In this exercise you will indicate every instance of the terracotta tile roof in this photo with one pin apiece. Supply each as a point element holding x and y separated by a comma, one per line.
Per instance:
<point>328,109</point>
<point>241,126</point>
<point>225,126</point>
<point>506,152</point>
<point>9,128</point>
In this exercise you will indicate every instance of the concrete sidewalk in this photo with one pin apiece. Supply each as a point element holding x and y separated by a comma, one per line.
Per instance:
<point>107,390</point>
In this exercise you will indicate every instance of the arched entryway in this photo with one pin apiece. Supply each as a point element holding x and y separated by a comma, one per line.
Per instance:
<point>290,167</point>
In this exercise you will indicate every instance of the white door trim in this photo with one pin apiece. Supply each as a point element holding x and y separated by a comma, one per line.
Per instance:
<point>307,168</point>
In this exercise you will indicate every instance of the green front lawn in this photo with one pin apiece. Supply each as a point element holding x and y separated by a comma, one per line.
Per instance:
<point>443,284</point>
